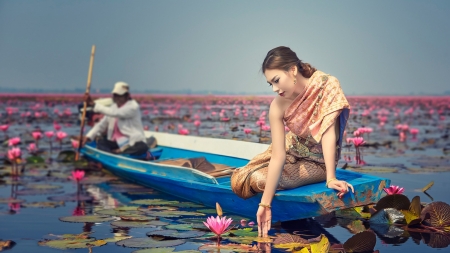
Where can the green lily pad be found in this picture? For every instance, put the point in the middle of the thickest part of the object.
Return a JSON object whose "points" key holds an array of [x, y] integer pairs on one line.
{"points": [[171, 214], [153, 208], [164, 250], [87, 218], [73, 244], [117, 238], [114, 212], [136, 218], [244, 232], [180, 227], [66, 156], [35, 160], [154, 202], [176, 234], [188, 204], [44, 204], [243, 239], [228, 247], [148, 243], [138, 224], [207, 211], [96, 180]]}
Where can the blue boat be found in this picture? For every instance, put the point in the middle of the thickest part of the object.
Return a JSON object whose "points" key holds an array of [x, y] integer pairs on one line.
{"points": [[169, 174]]}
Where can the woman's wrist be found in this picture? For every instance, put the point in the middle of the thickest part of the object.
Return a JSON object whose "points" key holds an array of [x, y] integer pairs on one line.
{"points": [[329, 181], [264, 205]]}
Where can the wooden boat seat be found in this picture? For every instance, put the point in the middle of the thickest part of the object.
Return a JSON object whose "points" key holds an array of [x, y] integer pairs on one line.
{"points": [[201, 164]]}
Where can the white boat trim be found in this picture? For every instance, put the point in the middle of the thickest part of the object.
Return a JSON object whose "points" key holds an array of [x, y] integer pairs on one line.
{"points": [[233, 148]]}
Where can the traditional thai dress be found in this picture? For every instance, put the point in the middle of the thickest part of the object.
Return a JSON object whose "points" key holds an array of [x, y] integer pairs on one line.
{"points": [[308, 117]]}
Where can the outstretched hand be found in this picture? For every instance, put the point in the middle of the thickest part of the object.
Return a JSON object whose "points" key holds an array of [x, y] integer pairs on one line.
{"points": [[341, 186], [88, 99], [264, 219]]}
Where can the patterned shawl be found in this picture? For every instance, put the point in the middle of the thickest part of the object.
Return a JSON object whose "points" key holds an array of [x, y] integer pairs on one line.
{"points": [[323, 93]]}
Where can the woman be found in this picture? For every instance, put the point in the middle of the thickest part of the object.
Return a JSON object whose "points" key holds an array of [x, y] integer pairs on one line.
{"points": [[309, 102]]}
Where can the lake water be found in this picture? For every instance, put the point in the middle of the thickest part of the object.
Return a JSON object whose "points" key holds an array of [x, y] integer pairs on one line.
{"points": [[411, 163]]}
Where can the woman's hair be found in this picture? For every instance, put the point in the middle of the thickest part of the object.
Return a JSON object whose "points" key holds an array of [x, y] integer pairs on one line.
{"points": [[284, 58]]}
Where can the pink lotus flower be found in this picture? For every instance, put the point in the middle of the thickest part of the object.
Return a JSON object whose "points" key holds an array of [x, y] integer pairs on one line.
{"points": [[61, 135], [13, 141], [197, 123], [265, 128], [218, 225], [49, 134], [247, 130], [393, 189], [75, 144], [4, 127], [14, 154], [357, 133], [251, 224], [56, 126], [260, 123], [36, 135], [358, 141], [32, 148], [77, 175], [183, 131]]}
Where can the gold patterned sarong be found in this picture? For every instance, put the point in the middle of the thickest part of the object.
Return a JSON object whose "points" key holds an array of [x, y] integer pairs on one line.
{"points": [[308, 117]]}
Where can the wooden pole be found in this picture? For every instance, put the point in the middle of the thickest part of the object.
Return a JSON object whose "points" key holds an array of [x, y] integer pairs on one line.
{"points": [[83, 117]]}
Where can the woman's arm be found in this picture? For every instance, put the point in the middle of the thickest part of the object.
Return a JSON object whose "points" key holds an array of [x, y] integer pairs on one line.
{"points": [[329, 155], [278, 157]]}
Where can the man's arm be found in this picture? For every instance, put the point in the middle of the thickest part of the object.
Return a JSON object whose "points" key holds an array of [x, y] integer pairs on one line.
{"points": [[101, 126], [126, 111]]}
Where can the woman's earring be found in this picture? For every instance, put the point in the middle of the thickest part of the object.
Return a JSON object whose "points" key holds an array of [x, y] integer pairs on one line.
{"points": [[295, 80]]}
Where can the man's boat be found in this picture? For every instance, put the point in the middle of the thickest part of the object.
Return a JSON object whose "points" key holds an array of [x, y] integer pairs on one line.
{"points": [[169, 174]]}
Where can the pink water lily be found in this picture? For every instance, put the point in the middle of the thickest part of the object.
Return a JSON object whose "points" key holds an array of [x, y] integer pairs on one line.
{"points": [[77, 175], [358, 141], [75, 144], [14, 154], [218, 225], [61, 135], [32, 148], [49, 134], [13, 141], [4, 127], [394, 189], [36, 135]]}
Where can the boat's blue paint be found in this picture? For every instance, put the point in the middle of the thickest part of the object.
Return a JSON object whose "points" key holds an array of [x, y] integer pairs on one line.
{"points": [[306, 201]]}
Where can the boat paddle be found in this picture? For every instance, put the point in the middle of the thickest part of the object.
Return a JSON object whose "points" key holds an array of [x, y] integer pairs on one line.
{"points": [[83, 116]]}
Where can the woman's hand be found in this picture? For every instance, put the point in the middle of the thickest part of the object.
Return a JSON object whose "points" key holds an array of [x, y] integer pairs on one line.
{"points": [[264, 219], [341, 186]]}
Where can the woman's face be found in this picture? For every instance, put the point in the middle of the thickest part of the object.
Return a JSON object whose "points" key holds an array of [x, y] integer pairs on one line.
{"points": [[282, 82]]}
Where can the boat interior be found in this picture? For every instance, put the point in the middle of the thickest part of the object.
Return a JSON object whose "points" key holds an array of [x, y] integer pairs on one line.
{"points": [[216, 170]]}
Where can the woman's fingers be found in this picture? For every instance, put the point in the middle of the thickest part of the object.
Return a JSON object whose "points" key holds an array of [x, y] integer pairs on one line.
{"points": [[351, 186], [258, 220]]}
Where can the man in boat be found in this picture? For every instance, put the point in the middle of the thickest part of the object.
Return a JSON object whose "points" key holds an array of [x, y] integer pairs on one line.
{"points": [[122, 123]]}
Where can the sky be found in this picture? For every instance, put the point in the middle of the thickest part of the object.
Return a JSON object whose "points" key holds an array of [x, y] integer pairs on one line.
{"points": [[373, 47]]}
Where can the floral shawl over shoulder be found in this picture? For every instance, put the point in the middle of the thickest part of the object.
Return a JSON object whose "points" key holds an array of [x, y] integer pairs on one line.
{"points": [[313, 112]]}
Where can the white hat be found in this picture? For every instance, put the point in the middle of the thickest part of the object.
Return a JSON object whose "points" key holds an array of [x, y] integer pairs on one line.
{"points": [[120, 88]]}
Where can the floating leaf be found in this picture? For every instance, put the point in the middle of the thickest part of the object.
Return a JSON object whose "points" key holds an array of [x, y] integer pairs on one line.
{"points": [[96, 179], [116, 238], [44, 204], [188, 204], [243, 239], [11, 200], [207, 211], [397, 201], [387, 216], [164, 250], [66, 156], [148, 243], [154, 202], [411, 218], [35, 159], [435, 240], [361, 242], [387, 231], [244, 232], [436, 214], [289, 242], [170, 214], [138, 224], [87, 218], [228, 247], [73, 243], [354, 226], [428, 186], [322, 246], [114, 212], [303, 250], [415, 207], [27, 191], [180, 227], [43, 186], [136, 218], [176, 234]]}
